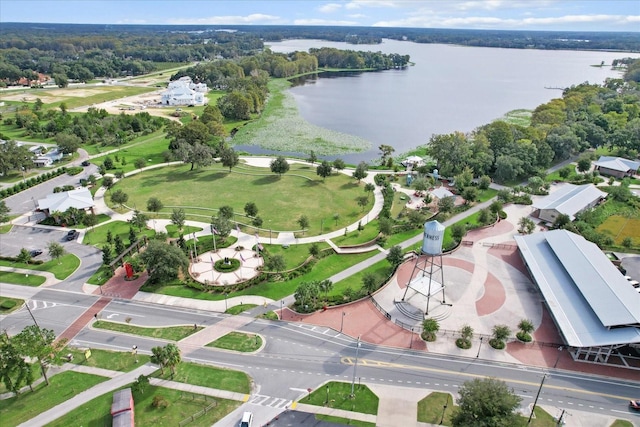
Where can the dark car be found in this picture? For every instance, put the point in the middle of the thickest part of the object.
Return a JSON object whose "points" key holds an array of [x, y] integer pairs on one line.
{"points": [[635, 405], [72, 234], [35, 252], [85, 163]]}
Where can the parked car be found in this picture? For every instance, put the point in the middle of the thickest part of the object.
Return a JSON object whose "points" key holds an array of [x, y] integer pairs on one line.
{"points": [[85, 163], [35, 252], [635, 405], [72, 234], [247, 419]]}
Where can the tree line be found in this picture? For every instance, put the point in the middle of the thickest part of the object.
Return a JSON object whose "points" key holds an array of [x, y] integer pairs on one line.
{"points": [[587, 116]]}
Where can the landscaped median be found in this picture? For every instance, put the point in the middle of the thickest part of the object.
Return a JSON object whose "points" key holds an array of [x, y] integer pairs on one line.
{"points": [[158, 406], [338, 395], [171, 333]]}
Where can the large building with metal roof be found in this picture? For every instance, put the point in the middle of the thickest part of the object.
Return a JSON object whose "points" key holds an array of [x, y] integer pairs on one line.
{"points": [[568, 200], [595, 308]]}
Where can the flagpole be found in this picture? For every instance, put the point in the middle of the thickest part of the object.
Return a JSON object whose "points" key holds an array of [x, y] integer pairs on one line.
{"points": [[195, 247]]}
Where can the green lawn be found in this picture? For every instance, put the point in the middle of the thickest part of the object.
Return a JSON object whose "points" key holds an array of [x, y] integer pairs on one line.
{"points": [[5, 228], [209, 376], [100, 217], [172, 230], [298, 192], [238, 341], [61, 268], [240, 308], [339, 397], [149, 147], [21, 279], [7, 305], [294, 255], [344, 421], [172, 333], [381, 269], [431, 408], [181, 405], [113, 360], [622, 423], [356, 237], [98, 237], [64, 386]]}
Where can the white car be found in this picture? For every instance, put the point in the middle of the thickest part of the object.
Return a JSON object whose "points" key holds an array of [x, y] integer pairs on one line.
{"points": [[247, 419]]}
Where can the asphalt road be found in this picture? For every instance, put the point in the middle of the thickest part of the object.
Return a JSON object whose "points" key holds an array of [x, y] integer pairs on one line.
{"points": [[297, 357]]}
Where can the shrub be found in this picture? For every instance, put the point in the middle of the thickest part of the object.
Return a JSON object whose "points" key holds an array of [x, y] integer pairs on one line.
{"points": [[8, 304], [159, 401], [463, 343]]}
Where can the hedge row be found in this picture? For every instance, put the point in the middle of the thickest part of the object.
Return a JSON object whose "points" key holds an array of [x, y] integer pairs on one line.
{"points": [[31, 182]]}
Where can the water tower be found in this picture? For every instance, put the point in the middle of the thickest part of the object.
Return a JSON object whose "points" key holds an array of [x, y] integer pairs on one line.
{"points": [[427, 277]]}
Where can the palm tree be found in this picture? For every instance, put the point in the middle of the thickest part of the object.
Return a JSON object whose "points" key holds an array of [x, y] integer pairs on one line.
{"points": [[326, 286], [429, 328], [173, 357], [500, 334], [159, 357], [526, 327], [466, 333]]}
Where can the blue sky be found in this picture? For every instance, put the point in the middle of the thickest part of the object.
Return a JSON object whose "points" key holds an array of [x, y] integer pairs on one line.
{"points": [[586, 15]]}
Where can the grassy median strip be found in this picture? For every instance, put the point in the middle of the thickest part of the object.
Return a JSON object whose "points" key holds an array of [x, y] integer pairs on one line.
{"points": [[21, 279], [238, 341], [63, 387], [208, 376], [338, 395], [105, 359], [180, 406], [172, 333], [60, 268]]}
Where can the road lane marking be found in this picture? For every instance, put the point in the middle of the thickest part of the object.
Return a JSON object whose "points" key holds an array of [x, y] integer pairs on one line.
{"points": [[374, 364]]}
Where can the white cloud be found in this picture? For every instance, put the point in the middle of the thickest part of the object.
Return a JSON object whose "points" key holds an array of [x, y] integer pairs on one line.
{"points": [[357, 16], [501, 4], [485, 22], [324, 22], [330, 7], [256, 18], [358, 4]]}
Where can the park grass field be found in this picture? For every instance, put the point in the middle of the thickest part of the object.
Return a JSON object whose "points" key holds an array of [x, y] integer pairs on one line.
{"points": [[620, 227], [181, 405], [280, 200]]}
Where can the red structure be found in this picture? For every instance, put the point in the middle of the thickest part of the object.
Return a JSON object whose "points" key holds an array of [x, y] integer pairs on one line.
{"points": [[122, 409], [129, 270]]}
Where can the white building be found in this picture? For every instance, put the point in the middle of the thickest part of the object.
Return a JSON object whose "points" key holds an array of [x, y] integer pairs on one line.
{"points": [[184, 92]]}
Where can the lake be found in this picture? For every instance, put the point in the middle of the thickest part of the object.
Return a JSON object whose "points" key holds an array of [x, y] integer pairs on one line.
{"points": [[450, 88]]}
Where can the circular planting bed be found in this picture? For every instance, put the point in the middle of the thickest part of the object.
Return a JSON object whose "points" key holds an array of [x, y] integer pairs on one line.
{"points": [[227, 265]]}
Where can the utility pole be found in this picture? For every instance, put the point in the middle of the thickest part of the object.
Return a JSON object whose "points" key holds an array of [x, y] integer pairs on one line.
{"points": [[544, 377], [355, 367], [31, 314], [559, 423]]}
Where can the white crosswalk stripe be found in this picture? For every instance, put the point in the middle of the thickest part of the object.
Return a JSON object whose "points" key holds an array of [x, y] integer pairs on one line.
{"points": [[272, 402]]}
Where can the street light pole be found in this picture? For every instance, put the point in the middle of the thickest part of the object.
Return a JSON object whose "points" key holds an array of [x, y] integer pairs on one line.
{"points": [[533, 408], [281, 309], [225, 300], [411, 339], [342, 321], [444, 409], [355, 367], [558, 358], [478, 355]]}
